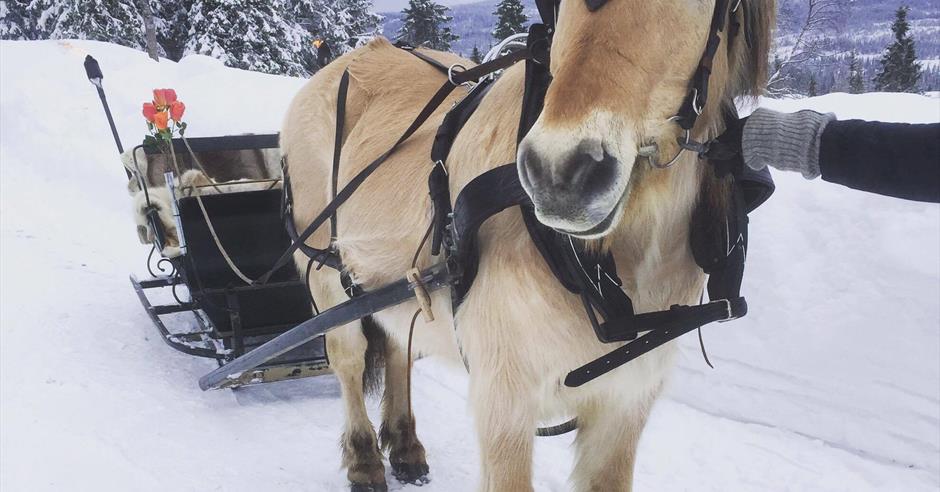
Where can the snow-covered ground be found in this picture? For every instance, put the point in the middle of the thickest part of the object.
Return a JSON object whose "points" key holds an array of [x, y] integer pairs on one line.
{"points": [[832, 382]]}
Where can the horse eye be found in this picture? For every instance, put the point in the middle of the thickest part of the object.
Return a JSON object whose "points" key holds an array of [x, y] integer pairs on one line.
{"points": [[593, 5]]}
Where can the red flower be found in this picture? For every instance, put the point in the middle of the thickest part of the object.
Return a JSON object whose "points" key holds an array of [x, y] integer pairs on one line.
{"points": [[149, 111], [160, 120], [176, 110], [163, 97]]}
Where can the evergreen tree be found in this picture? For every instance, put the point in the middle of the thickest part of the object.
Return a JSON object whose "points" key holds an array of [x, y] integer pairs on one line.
{"points": [[172, 23], [15, 21], [248, 34], [510, 19], [45, 14], [475, 55], [425, 23], [359, 23], [114, 21], [812, 86], [341, 24], [900, 71], [856, 82]]}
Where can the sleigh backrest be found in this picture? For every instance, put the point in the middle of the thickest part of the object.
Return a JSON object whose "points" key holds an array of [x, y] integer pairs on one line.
{"points": [[223, 159]]}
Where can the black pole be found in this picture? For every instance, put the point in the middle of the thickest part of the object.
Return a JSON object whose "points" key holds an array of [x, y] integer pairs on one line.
{"points": [[93, 71]]}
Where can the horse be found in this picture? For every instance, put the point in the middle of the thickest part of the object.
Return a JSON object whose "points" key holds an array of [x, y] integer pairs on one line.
{"points": [[619, 74]]}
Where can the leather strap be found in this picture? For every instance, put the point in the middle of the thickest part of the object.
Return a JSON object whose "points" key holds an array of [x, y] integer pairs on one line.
{"points": [[698, 90], [663, 327], [338, 143]]}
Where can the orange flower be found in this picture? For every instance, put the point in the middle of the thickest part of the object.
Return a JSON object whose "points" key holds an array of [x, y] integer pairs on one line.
{"points": [[176, 110], [163, 98], [149, 111], [160, 120]]}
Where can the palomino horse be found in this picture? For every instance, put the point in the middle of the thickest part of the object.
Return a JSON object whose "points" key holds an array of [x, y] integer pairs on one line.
{"points": [[619, 74]]}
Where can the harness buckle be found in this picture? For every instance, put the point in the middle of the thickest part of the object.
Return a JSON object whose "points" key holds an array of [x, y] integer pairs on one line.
{"points": [[730, 314]]}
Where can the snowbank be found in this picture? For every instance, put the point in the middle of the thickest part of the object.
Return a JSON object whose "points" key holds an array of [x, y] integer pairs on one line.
{"points": [[832, 382]]}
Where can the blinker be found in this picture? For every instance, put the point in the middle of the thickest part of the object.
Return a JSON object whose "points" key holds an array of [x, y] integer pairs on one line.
{"points": [[593, 5]]}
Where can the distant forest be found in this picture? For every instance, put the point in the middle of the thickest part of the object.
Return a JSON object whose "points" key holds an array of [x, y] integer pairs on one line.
{"points": [[860, 25]]}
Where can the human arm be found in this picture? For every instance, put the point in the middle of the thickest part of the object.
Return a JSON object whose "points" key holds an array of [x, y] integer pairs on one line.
{"points": [[894, 159]]}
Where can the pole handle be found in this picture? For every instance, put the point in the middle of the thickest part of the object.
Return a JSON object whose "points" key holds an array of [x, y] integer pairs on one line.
{"points": [[93, 70]]}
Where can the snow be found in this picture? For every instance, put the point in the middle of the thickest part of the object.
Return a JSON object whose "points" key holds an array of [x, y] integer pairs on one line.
{"points": [[831, 383]]}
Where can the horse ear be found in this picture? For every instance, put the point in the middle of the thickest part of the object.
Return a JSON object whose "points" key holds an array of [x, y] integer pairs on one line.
{"points": [[752, 49]]}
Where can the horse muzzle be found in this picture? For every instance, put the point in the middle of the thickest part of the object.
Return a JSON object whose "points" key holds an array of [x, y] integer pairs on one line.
{"points": [[580, 192]]}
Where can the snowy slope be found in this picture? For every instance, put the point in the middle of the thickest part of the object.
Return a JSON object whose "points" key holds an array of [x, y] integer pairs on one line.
{"points": [[832, 382]]}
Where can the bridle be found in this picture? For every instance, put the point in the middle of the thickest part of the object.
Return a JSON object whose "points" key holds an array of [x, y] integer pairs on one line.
{"points": [[697, 96]]}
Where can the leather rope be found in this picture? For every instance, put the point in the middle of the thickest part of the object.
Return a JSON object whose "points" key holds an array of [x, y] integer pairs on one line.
{"points": [[205, 214]]}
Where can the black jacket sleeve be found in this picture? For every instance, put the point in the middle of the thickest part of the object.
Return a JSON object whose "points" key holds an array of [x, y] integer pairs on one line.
{"points": [[894, 159]]}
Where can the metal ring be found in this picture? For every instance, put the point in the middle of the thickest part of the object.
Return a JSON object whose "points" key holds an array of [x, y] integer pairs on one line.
{"points": [[653, 155], [451, 72]]}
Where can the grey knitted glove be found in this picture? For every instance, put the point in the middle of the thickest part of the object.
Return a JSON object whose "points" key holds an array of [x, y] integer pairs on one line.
{"points": [[784, 141]]}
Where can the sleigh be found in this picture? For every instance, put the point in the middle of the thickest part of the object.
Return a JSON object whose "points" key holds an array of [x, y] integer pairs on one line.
{"points": [[199, 304]]}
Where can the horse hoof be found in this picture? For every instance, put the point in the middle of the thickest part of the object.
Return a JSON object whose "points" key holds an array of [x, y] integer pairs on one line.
{"points": [[368, 487], [412, 473]]}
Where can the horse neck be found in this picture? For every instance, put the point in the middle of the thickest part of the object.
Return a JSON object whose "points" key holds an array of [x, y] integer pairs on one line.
{"points": [[651, 243]]}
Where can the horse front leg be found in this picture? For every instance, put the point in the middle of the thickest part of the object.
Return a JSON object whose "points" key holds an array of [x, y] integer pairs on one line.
{"points": [[361, 457], [505, 415], [405, 452], [608, 436]]}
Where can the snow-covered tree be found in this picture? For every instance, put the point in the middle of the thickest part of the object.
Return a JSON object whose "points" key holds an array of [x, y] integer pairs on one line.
{"points": [[114, 21], [15, 21], [248, 34], [510, 19], [341, 24], [900, 71], [812, 91], [856, 80], [426, 23], [171, 20]]}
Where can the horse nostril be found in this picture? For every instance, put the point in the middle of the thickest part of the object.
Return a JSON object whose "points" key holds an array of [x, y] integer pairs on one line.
{"points": [[589, 171], [531, 168]]}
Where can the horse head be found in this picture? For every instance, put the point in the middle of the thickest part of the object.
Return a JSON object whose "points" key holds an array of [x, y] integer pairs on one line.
{"points": [[621, 69]]}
